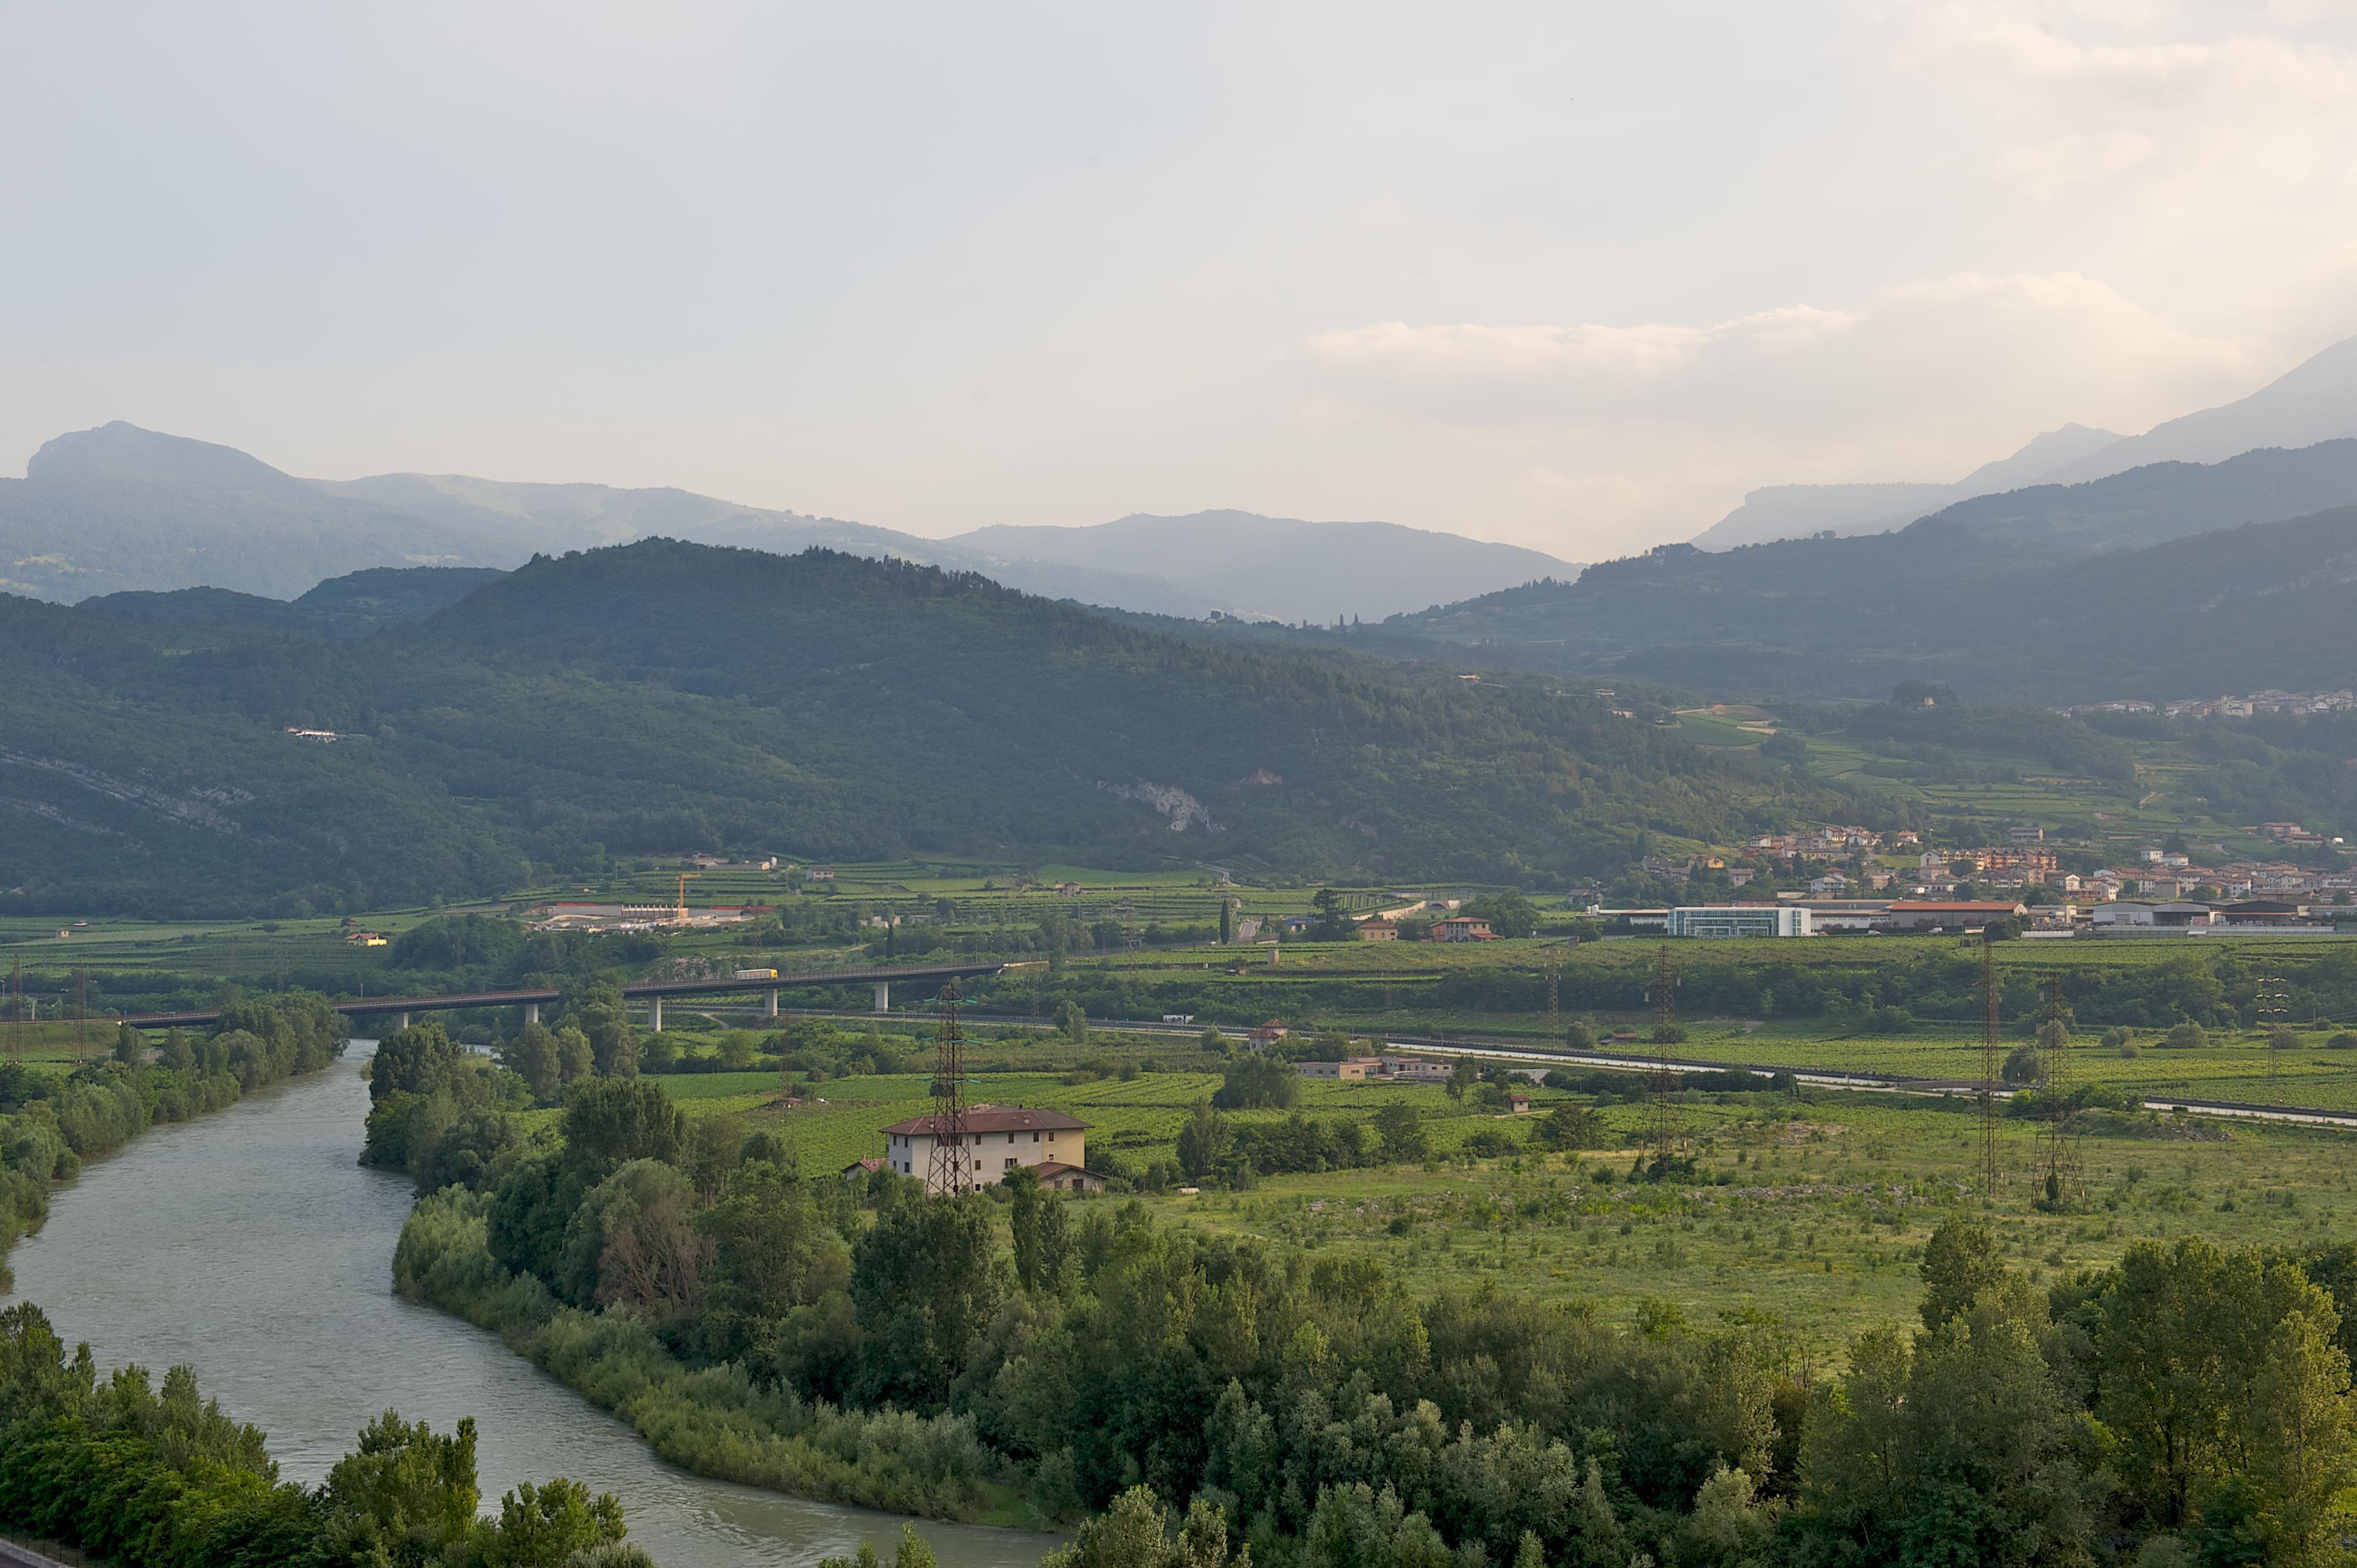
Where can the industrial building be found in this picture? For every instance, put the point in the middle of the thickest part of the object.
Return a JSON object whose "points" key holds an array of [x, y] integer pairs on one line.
{"points": [[1741, 920]]}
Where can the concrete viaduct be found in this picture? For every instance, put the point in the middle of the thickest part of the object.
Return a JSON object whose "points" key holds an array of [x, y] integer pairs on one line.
{"points": [[654, 990]]}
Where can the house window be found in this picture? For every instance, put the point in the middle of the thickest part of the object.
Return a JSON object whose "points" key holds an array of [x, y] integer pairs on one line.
{"points": [[1010, 1161]]}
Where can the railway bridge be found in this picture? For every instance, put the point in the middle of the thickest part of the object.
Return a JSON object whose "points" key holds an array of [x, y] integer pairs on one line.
{"points": [[763, 983]]}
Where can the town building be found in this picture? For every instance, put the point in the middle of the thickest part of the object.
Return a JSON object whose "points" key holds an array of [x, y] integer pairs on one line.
{"points": [[2124, 916], [1949, 914], [1357, 1069], [1827, 915], [2262, 912], [998, 1138], [1414, 1069], [1741, 920]]}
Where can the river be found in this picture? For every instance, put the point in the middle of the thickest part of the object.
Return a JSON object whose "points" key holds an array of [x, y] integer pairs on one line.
{"points": [[250, 1245]]}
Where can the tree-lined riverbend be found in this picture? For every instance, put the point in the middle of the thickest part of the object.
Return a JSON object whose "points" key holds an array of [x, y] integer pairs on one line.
{"points": [[250, 1245]]}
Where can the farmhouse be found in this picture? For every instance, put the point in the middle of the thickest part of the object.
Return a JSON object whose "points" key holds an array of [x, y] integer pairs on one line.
{"points": [[1462, 929], [1413, 1069], [1357, 1069], [998, 1138]]}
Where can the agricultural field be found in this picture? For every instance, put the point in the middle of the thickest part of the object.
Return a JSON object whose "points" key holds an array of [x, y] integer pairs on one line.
{"points": [[1802, 1215], [1136, 1117]]}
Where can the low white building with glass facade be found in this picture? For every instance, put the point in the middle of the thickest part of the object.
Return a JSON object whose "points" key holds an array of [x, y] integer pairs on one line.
{"points": [[1741, 920]]}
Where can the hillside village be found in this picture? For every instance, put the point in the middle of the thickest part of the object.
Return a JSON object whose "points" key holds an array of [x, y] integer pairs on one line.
{"points": [[1839, 878]]}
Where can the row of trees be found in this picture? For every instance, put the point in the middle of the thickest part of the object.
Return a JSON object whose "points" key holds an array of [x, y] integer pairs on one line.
{"points": [[50, 1123]]}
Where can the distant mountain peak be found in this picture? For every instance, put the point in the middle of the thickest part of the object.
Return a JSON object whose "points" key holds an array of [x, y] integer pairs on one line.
{"points": [[121, 450], [2315, 400], [1796, 512]]}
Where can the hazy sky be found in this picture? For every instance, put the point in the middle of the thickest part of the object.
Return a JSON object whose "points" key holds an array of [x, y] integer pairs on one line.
{"points": [[1574, 275]]}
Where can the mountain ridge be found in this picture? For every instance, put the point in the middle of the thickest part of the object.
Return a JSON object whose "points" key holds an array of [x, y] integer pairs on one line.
{"points": [[666, 695], [2314, 402], [120, 509], [2078, 593]]}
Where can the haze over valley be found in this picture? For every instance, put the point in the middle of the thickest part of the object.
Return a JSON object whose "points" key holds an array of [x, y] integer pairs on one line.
{"points": [[1175, 786]]}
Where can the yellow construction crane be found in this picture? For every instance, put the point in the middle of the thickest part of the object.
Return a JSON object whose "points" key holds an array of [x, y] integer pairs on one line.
{"points": [[684, 878]]}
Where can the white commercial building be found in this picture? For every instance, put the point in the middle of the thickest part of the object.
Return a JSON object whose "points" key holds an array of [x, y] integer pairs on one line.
{"points": [[1741, 920]]}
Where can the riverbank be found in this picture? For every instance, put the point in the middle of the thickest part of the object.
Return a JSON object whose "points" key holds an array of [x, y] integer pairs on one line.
{"points": [[253, 1246], [50, 1123], [714, 1421]]}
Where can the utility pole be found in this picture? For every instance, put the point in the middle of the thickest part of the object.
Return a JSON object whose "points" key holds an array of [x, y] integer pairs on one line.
{"points": [[1665, 1027], [2059, 1138], [1992, 996], [81, 1007], [2274, 1007], [952, 1170]]}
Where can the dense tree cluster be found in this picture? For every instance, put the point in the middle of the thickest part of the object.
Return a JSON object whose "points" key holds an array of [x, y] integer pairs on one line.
{"points": [[1307, 1409], [627, 701], [161, 1477]]}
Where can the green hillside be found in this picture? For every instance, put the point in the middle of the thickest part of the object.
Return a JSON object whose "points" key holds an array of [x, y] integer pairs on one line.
{"points": [[2008, 608], [665, 696]]}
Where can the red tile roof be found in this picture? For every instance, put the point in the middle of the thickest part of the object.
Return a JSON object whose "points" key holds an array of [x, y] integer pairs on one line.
{"points": [[992, 1119]]}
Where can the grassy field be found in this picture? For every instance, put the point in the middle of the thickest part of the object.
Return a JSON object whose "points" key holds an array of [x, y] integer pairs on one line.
{"points": [[1805, 1209], [1137, 1118]]}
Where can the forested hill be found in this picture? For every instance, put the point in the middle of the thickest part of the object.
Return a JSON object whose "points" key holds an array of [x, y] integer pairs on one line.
{"points": [[663, 696], [2012, 598]]}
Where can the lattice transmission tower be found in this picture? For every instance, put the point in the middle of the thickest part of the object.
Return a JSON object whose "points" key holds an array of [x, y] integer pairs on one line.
{"points": [[2058, 1137], [952, 1170], [2274, 1008], [1992, 999], [1664, 997]]}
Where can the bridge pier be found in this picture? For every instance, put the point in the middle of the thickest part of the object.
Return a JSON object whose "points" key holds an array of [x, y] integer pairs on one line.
{"points": [[405, 1020], [654, 1013], [770, 1010], [883, 996], [532, 1012]]}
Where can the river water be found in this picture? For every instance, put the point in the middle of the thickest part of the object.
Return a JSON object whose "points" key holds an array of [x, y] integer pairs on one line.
{"points": [[250, 1245]]}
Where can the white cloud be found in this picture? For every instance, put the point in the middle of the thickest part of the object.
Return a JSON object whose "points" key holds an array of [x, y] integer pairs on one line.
{"points": [[2057, 345], [2044, 170]]}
